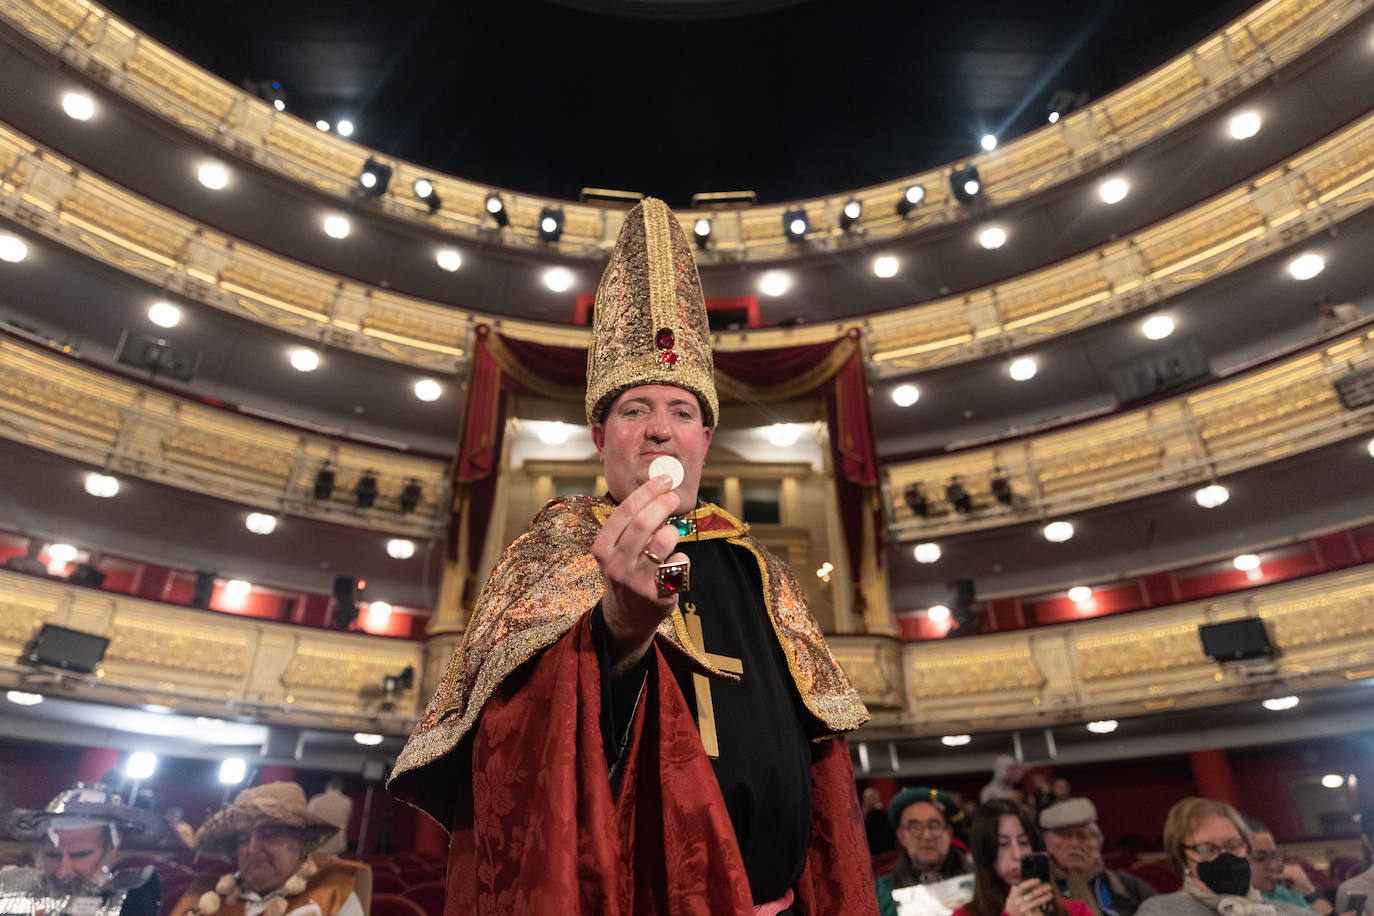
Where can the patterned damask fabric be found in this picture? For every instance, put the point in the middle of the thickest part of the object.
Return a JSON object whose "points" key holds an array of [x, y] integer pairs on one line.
{"points": [[543, 833]]}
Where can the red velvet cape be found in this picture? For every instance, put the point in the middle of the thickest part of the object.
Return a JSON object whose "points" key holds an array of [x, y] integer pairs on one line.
{"points": [[541, 832]]}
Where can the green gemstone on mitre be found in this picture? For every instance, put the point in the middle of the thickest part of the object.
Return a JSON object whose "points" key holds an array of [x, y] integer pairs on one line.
{"points": [[684, 526]]}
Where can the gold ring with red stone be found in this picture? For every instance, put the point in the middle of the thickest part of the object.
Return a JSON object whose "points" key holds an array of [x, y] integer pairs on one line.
{"points": [[673, 578]]}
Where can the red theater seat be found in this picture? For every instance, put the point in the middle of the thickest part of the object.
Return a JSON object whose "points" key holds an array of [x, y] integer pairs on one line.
{"points": [[429, 896], [395, 905], [386, 882]]}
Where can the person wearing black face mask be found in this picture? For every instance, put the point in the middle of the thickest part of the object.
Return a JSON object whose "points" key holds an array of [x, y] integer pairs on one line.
{"points": [[1208, 845]]}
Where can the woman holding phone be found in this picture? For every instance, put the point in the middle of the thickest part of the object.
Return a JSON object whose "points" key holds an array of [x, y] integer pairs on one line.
{"points": [[1002, 836]]}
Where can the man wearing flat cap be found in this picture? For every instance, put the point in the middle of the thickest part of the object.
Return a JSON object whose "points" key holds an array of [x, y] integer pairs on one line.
{"points": [[269, 833], [643, 716], [1074, 843], [926, 821], [78, 837]]}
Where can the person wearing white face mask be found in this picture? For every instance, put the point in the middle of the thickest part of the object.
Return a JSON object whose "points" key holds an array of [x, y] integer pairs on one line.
{"points": [[1209, 845]]}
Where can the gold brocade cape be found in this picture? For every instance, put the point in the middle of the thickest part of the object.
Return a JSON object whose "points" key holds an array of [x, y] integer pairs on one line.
{"points": [[544, 582], [328, 888]]}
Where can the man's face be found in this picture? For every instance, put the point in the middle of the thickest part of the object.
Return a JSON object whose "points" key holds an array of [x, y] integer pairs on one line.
{"points": [[1266, 865], [1074, 848], [78, 859], [644, 423], [268, 855], [924, 834], [1061, 788]]}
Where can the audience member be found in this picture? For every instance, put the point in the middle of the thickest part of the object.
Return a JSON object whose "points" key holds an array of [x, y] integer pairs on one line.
{"points": [[270, 833], [78, 837], [1001, 488], [29, 562], [337, 808], [1332, 318], [916, 500], [1006, 779], [1362, 885], [1276, 880], [1002, 836], [881, 836], [175, 820], [1074, 843], [925, 820], [1048, 793], [1208, 845], [958, 497]]}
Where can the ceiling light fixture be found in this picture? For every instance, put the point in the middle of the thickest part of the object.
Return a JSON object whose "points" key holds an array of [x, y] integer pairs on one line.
{"points": [[238, 588], [1212, 495], [988, 143], [551, 223], [367, 738], [322, 125], [1307, 266], [558, 279], [992, 237], [1245, 125], [427, 389], [885, 267], [232, 770], [22, 698], [78, 105], [795, 224], [141, 765], [1113, 190], [1369, 447], [1023, 369], [966, 184], [1246, 562], [336, 227], [496, 209], [1333, 781], [955, 740], [1103, 726], [905, 395], [1157, 327], [374, 178], [853, 209], [553, 432], [774, 283], [260, 523], [345, 128], [12, 250], [782, 435], [164, 314], [213, 176], [101, 485], [425, 193], [303, 359], [400, 548], [379, 609], [449, 259], [702, 230], [61, 554], [1058, 532], [1080, 593], [910, 200], [1279, 704], [939, 613], [927, 553]]}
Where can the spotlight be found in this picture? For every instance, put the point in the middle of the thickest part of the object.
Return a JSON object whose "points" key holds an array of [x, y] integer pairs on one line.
{"points": [[238, 589], [424, 190], [702, 230], [1157, 327], [1211, 496], [273, 92], [1307, 266], [966, 184], [782, 435], [379, 609], [1113, 190], [260, 523], [553, 432], [449, 259], [1023, 369], [910, 200], [336, 227], [374, 178], [905, 395], [1064, 101], [141, 765], [304, 359], [427, 389], [410, 496], [101, 485], [1245, 125], [795, 225], [366, 491], [496, 209], [322, 125], [400, 548], [345, 128], [938, 613], [213, 175], [551, 223], [885, 267], [1054, 117], [989, 143], [1333, 781], [1058, 532], [164, 314], [78, 106], [992, 237], [232, 771], [558, 279], [774, 283], [853, 209], [927, 553], [12, 250]]}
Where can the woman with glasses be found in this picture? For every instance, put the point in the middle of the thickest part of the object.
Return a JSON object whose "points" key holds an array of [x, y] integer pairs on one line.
{"points": [[1209, 846], [1002, 835]]}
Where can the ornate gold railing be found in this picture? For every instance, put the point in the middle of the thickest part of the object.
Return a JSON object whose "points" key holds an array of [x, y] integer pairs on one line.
{"points": [[207, 662], [1319, 188], [1322, 629], [55, 404], [1202, 78], [1255, 419]]}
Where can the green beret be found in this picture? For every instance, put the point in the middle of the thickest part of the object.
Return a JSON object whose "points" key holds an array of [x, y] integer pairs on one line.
{"points": [[941, 799]]}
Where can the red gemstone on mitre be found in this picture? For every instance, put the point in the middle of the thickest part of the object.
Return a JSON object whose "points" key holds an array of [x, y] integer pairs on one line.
{"points": [[665, 338], [668, 357], [675, 579]]}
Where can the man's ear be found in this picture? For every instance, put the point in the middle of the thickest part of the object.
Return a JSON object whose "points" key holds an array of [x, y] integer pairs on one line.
{"points": [[708, 439], [599, 439]]}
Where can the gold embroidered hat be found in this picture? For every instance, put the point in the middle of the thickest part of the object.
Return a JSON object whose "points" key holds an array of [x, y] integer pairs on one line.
{"points": [[649, 324]]}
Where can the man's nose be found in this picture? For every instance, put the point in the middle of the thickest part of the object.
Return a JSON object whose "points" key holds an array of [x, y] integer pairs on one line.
{"points": [[658, 427], [65, 869]]}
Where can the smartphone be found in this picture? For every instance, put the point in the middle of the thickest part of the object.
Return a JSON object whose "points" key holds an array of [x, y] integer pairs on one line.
{"points": [[1036, 865], [1354, 902]]}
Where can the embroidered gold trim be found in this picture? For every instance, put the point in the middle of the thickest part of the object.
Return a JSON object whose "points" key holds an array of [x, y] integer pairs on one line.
{"points": [[658, 243]]}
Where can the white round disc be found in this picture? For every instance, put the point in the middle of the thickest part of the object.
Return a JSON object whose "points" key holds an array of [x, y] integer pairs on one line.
{"points": [[667, 464]]}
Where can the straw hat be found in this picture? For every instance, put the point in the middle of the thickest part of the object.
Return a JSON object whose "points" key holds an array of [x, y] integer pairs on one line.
{"points": [[273, 803]]}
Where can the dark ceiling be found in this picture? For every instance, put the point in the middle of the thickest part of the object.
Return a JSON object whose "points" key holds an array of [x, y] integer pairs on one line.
{"points": [[800, 100]]}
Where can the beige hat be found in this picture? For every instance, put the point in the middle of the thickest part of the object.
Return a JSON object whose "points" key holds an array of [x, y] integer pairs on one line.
{"points": [[1071, 812], [273, 803]]}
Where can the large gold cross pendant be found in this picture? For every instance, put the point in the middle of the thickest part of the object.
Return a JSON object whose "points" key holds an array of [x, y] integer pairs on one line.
{"points": [[706, 717]]}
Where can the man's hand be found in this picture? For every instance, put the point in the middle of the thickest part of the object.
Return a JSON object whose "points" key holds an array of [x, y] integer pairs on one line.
{"points": [[631, 606], [1296, 878]]}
